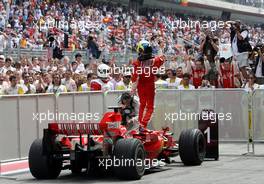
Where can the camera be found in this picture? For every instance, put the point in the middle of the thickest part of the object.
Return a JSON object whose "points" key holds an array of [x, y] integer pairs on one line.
{"points": [[258, 48]]}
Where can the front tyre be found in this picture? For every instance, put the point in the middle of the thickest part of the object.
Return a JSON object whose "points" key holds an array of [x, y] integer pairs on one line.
{"points": [[192, 147]]}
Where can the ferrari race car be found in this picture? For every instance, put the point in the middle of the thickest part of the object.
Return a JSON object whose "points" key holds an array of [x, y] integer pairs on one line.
{"points": [[90, 146]]}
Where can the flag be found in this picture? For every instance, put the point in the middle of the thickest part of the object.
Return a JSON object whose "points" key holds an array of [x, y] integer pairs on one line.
{"points": [[181, 2], [184, 2]]}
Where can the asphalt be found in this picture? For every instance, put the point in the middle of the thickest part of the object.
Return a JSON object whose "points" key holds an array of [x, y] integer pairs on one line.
{"points": [[234, 166]]}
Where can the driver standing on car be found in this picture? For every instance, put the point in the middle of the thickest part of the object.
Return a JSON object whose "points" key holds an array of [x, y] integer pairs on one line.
{"points": [[143, 79], [129, 110]]}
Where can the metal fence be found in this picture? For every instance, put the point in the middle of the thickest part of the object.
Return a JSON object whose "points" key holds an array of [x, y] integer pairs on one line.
{"points": [[258, 120], [120, 57], [17, 53], [19, 125]]}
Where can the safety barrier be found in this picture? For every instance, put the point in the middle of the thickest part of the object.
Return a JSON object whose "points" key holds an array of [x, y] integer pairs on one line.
{"points": [[185, 105], [19, 125], [258, 120]]}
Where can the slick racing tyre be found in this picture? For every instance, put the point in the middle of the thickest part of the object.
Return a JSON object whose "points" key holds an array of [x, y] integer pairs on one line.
{"points": [[130, 154], [192, 147], [41, 166]]}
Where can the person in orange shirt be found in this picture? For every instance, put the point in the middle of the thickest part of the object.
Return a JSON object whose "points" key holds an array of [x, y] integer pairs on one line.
{"points": [[23, 42]]}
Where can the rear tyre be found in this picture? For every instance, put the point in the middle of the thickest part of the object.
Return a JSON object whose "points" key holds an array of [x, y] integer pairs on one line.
{"points": [[42, 166], [192, 147], [130, 154]]}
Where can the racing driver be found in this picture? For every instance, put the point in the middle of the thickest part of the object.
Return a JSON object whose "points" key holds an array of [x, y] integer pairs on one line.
{"points": [[144, 69]]}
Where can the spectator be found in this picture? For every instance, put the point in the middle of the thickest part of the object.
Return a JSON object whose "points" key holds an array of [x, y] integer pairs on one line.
{"points": [[172, 81], [3, 38], [14, 88], [66, 63], [2, 63], [197, 69], [78, 80], [74, 66], [159, 83], [259, 64], [87, 86], [93, 47], [8, 66], [46, 82], [56, 86], [206, 83], [186, 82], [251, 83], [116, 81], [209, 47], [3, 84], [127, 79], [18, 68], [80, 66], [35, 64], [240, 46], [179, 72], [27, 86], [228, 73], [69, 82]]}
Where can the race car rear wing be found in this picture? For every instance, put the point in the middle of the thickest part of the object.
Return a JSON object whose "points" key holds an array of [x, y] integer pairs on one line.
{"points": [[75, 128]]}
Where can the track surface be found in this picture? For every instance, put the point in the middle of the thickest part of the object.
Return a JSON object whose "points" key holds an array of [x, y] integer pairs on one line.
{"points": [[233, 167]]}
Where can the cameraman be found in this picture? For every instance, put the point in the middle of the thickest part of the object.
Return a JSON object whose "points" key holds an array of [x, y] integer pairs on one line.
{"points": [[131, 102], [258, 68], [240, 46], [209, 47]]}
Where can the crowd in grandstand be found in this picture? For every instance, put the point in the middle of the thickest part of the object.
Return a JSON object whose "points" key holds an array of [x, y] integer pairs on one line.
{"points": [[254, 3], [192, 52]]}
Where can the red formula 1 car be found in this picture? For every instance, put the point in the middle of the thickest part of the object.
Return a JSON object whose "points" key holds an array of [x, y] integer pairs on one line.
{"points": [[93, 146]]}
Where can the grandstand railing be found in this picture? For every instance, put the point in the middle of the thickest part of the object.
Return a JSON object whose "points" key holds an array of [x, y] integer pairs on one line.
{"points": [[19, 126], [18, 53], [255, 3]]}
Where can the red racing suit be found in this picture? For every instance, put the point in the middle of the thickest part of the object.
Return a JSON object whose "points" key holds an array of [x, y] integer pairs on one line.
{"points": [[143, 79]]}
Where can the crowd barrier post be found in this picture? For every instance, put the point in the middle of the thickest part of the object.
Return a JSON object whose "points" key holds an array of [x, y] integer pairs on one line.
{"points": [[250, 125]]}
